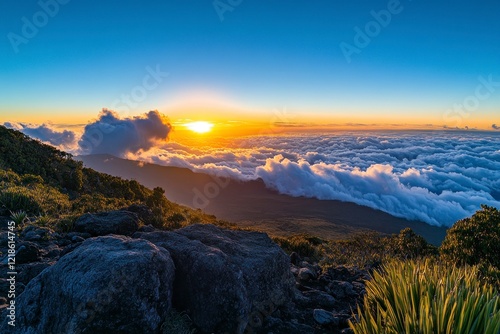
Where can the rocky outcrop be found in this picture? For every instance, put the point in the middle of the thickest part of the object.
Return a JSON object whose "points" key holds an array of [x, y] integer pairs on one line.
{"points": [[227, 281], [110, 284], [323, 302], [104, 223]]}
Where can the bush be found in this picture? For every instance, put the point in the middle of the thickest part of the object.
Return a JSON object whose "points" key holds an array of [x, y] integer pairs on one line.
{"points": [[19, 199], [427, 297], [474, 240], [96, 203], [363, 249], [302, 244], [409, 245], [175, 221]]}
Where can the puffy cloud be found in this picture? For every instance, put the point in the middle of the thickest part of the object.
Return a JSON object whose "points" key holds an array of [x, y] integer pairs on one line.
{"points": [[495, 127], [119, 136], [435, 177], [65, 139]]}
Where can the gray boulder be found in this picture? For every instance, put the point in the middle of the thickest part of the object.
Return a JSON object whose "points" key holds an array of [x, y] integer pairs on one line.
{"points": [[225, 279], [323, 317], [110, 284], [110, 222]]}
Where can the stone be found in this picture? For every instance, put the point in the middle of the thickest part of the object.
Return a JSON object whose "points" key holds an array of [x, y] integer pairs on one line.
{"points": [[324, 317], [71, 235], [110, 284], [306, 274], [77, 238], [37, 233], [341, 289], [224, 276], [316, 298], [142, 211], [110, 222], [26, 272]]}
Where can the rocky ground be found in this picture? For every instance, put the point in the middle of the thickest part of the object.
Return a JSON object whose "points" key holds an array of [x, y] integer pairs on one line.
{"points": [[111, 276]]}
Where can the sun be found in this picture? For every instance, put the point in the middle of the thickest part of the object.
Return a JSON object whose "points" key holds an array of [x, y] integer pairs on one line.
{"points": [[199, 127]]}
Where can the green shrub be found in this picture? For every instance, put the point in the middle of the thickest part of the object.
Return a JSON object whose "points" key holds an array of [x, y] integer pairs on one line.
{"points": [[302, 244], [409, 245], [97, 202], [34, 199], [19, 217], [474, 240], [31, 179], [175, 221], [19, 199], [66, 223], [428, 297], [363, 249]]}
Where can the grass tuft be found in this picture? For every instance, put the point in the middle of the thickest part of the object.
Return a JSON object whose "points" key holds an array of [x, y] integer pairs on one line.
{"points": [[425, 296]]}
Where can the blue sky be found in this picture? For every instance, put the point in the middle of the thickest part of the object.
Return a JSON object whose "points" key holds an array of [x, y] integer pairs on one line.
{"points": [[263, 55]]}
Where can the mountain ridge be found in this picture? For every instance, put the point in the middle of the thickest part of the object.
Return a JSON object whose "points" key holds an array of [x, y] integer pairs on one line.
{"points": [[252, 204]]}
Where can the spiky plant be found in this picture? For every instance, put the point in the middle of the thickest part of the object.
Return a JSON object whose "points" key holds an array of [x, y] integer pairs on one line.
{"points": [[428, 297]]}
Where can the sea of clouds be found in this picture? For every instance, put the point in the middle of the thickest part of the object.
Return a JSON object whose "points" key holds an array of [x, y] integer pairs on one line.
{"points": [[437, 177]]}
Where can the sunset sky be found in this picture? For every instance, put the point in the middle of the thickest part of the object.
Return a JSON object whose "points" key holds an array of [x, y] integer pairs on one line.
{"points": [[253, 61]]}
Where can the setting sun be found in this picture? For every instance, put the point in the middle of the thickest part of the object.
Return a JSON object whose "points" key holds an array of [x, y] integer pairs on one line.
{"points": [[199, 127]]}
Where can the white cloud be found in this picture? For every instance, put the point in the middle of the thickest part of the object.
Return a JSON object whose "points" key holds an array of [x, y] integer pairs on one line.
{"points": [[435, 177], [65, 139]]}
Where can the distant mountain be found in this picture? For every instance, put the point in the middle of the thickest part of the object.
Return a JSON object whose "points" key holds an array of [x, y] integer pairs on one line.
{"points": [[251, 204]]}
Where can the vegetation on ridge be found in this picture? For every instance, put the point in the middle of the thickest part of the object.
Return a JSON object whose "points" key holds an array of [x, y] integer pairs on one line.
{"points": [[54, 189]]}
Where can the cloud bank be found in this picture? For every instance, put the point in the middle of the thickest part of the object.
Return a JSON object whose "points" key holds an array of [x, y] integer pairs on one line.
{"points": [[119, 136], [435, 177], [64, 139]]}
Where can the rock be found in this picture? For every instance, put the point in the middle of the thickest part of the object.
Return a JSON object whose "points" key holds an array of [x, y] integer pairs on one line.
{"points": [[27, 252], [71, 235], [323, 317], [30, 270], [50, 251], [146, 228], [63, 242], [316, 298], [306, 274], [110, 284], [37, 233], [277, 325], [341, 289], [347, 331], [143, 212], [359, 287], [77, 238], [110, 222], [224, 276]]}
